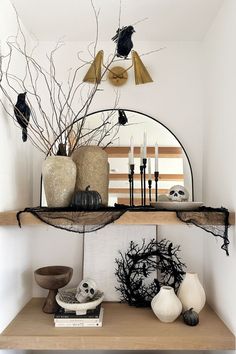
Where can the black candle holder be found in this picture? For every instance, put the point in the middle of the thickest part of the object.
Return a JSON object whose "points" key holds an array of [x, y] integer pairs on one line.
{"points": [[144, 180], [132, 183], [156, 175], [130, 189], [150, 190], [141, 179]]}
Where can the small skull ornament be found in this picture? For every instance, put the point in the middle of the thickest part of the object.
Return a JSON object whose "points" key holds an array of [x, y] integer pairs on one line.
{"points": [[86, 290], [178, 194]]}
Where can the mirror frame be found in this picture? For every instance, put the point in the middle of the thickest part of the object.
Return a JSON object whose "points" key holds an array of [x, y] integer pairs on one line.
{"points": [[148, 116]]}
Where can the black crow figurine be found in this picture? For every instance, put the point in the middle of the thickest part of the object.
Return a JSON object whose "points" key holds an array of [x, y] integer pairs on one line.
{"points": [[61, 150], [123, 40], [22, 114], [122, 118]]}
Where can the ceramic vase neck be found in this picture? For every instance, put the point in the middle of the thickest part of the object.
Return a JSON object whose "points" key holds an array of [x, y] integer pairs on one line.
{"points": [[191, 275], [167, 289]]}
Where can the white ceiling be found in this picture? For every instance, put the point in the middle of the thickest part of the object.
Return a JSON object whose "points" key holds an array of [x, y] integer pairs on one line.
{"points": [[168, 20]]}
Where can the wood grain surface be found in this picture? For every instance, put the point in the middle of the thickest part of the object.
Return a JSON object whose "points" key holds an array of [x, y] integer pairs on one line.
{"points": [[8, 218], [124, 327]]}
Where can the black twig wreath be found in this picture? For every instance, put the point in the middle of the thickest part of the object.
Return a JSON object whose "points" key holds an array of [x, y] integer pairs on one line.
{"points": [[136, 265]]}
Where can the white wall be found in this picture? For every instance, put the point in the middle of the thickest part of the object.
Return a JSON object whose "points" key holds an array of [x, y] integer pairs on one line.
{"points": [[15, 192], [219, 170]]}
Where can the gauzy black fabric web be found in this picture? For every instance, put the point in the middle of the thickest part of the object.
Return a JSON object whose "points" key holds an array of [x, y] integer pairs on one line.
{"points": [[73, 220], [204, 217], [212, 220]]}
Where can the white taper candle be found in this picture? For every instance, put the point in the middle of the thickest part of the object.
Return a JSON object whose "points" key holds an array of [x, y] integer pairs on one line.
{"points": [[141, 155], [156, 157], [132, 146], [149, 169], [131, 158], [145, 145]]}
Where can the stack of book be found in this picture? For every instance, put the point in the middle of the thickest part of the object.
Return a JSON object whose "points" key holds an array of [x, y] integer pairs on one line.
{"points": [[92, 318]]}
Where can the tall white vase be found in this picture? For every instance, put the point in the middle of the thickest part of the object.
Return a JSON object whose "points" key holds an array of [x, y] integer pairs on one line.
{"points": [[59, 176], [191, 293], [166, 305]]}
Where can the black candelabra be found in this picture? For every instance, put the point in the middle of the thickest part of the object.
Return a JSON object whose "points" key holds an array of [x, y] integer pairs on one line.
{"points": [[131, 185], [156, 175], [150, 190], [143, 184], [130, 190], [144, 180], [141, 179]]}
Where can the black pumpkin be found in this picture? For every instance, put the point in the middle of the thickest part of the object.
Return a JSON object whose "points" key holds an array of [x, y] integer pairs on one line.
{"points": [[86, 199], [191, 317]]}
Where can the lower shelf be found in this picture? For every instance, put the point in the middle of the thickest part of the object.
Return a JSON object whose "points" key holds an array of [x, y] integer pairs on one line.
{"points": [[124, 327]]}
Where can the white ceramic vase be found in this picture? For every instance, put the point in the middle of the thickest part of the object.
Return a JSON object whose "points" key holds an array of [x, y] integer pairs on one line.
{"points": [[59, 176], [191, 293], [166, 305]]}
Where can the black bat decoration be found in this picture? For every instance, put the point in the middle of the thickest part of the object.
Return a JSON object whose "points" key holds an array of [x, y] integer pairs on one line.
{"points": [[123, 39], [22, 114]]}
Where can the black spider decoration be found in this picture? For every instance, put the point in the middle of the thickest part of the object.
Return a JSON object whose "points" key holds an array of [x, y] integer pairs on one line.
{"points": [[139, 262]]}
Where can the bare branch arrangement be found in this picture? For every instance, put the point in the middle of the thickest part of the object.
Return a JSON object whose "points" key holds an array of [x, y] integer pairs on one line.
{"points": [[56, 123]]}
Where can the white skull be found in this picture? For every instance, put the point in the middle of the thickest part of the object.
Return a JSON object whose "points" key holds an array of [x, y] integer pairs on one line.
{"points": [[86, 290], [178, 194]]}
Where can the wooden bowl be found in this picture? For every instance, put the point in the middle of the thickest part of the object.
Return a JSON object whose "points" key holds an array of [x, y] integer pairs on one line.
{"points": [[52, 278]]}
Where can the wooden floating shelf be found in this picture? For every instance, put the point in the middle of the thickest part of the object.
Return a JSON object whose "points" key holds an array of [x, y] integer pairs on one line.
{"points": [[8, 218], [162, 218], [136, 191], [126, 200], [124, 328], [162, 177], [163, 151]]}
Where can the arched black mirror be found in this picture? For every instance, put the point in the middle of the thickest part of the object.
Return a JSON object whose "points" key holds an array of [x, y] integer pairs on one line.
{"points": [[173, 162]]}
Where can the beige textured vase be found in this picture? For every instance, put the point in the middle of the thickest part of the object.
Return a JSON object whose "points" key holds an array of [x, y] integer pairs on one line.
{"points": [[191, 293], [59, 176], [166, 305], [92, 170]]}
